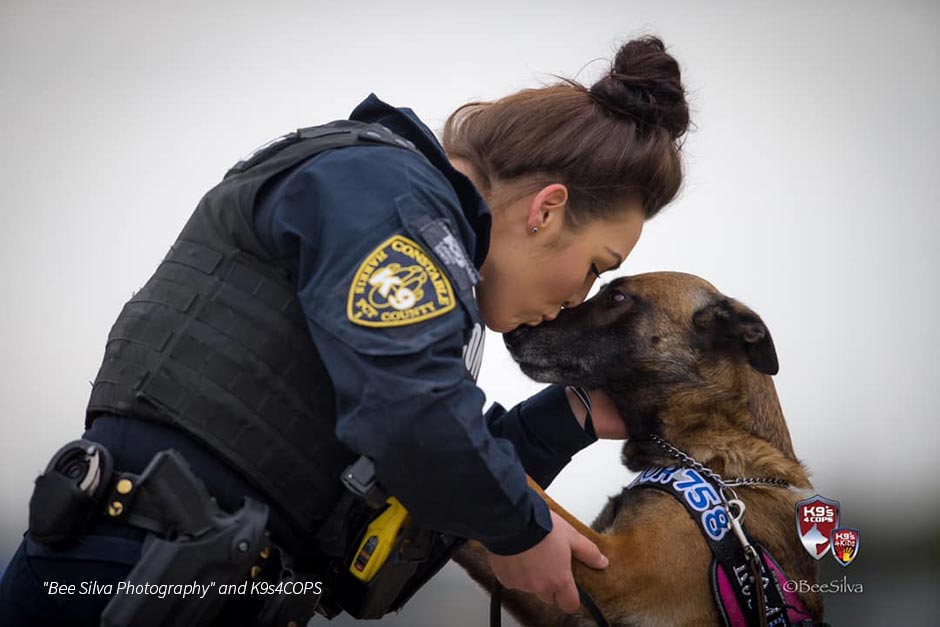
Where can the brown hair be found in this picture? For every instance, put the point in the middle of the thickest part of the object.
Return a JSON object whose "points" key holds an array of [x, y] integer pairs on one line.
{"points": [[618, 138]]}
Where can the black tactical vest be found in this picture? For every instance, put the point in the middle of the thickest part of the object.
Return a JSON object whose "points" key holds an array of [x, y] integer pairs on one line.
{"points": [[216, 342]]}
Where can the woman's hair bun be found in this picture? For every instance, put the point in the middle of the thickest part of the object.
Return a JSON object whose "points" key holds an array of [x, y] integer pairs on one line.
{"points": [[645, 85]]}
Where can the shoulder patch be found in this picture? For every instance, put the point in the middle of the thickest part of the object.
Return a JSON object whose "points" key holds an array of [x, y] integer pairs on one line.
{"points": [[398, 284]]}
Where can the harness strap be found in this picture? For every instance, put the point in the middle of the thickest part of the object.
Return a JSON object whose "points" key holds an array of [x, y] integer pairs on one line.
{"points": [[733, 575], [496, 619]]}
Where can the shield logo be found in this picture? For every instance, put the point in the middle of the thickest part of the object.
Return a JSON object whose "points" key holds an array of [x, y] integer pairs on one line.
{"points": [[816, 518], [845, 543]]}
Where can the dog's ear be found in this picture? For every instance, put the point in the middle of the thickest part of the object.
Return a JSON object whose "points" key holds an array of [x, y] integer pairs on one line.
{"points": [[727, 323]]}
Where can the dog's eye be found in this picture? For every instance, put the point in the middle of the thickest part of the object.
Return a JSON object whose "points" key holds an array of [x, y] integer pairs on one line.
{"points": [[616, 297]]}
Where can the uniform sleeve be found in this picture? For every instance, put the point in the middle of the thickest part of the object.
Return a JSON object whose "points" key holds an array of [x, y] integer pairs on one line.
{"points": [[544, 431], [403, 395]]}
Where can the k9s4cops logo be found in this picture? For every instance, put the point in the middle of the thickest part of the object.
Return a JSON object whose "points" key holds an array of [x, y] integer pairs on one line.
{"points": [[816, 518], [817, 524]]}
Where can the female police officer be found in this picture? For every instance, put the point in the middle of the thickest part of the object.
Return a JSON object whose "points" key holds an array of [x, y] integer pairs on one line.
{"points": [[327, 300]]}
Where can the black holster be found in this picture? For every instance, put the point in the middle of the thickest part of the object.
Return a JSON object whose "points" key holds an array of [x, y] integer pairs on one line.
{"points": [[198, 543], [191, 540]]}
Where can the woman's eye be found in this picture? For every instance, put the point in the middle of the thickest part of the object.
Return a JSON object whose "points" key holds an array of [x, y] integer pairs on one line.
{"points": [[616, 297]]}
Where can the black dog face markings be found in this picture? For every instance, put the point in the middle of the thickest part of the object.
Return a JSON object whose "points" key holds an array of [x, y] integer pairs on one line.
{"points": [[624, 336], [584, 345]]}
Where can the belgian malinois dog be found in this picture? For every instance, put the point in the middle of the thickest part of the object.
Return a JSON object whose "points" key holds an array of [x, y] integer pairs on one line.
{"points": [[692, 366]]}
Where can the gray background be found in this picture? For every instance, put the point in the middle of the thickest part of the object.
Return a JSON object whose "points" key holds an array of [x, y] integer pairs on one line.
{"points": [[811, 196]]}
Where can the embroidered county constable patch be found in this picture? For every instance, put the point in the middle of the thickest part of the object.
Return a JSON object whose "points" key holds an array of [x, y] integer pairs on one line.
{"points": [[398, 284]]}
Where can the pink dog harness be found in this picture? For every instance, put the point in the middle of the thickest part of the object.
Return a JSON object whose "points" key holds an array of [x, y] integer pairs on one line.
{"points": [[729, 608], [737, 601]]}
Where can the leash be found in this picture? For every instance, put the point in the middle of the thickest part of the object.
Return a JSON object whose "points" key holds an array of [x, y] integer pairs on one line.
{"points": [[586, 600], [496, 619]]}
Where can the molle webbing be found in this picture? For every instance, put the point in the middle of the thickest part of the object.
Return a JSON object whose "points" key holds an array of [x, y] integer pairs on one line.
{"points": [[216, 342]]}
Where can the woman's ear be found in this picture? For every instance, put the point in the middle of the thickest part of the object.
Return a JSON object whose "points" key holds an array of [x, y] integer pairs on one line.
{"points": [[547, 210]]}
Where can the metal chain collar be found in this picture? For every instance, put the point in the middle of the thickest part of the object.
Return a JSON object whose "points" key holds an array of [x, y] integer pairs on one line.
{"points": [[726, 487]]}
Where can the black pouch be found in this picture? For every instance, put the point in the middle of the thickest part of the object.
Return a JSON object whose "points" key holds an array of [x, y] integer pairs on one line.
{"points": [[69, 492], [417, 555]]}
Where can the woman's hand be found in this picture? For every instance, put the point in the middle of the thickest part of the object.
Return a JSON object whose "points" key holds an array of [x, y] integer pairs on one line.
{"points": [[545, 569], [608, 425]]}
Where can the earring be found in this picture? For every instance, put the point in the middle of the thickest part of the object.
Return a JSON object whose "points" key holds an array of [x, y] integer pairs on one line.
{"points": [[535, 229]]}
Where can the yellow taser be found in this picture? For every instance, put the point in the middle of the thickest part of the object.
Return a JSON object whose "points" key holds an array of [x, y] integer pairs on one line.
{"points": [[378, 540]]}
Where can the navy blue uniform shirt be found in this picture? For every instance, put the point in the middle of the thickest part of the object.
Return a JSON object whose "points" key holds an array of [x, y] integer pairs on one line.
{"points": [[403, 393]]}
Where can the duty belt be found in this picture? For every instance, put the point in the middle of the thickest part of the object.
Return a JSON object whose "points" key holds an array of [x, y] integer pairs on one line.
{"points": [[190, 537]]}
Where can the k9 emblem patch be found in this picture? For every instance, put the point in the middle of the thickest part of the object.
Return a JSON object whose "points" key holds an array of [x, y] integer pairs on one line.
{"points": [[398, 284], [816, 518]]}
